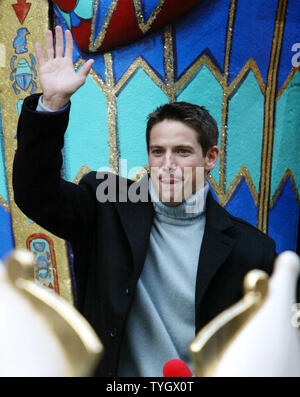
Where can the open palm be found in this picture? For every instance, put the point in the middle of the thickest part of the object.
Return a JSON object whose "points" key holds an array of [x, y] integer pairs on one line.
{"points": [[58, 78]]}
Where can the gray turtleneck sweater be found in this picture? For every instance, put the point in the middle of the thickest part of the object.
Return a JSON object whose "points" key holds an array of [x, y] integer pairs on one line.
{"points": [[161, 322]]}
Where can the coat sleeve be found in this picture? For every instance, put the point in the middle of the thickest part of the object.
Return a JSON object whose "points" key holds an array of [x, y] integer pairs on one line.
{"points": [[63, 208]]}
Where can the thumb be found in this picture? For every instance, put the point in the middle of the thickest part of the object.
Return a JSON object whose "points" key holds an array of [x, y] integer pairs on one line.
{"points": [[85, 69]]}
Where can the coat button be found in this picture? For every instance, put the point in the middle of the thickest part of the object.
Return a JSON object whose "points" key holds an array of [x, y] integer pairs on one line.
{"points": [[128, 291], [113, 333]]}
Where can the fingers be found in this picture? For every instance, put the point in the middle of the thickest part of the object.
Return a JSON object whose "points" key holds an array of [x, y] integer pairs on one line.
{"points": [[84, 71], [39, 54], [49, 45], [59, 42], [69, 44]]}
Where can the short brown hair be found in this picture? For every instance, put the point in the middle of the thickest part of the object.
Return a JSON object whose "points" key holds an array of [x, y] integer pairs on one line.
{"points": [[196, 117]]}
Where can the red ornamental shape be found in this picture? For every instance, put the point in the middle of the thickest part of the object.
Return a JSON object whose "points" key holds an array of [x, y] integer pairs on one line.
{"points": [[123, 28], [21, 9], [66, 5]]}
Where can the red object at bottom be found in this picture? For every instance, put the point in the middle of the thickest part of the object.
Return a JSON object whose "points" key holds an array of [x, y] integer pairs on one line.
{"points": [[176, 368]]}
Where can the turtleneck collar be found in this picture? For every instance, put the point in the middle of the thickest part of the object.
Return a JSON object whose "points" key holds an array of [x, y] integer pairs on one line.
{"points": [[192, 208]]}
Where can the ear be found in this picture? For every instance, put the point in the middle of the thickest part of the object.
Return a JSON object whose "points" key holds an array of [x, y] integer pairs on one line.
{"points": [[211, 158]]}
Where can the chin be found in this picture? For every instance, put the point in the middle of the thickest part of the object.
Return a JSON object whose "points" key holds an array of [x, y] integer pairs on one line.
{"points": [[171, 198]]}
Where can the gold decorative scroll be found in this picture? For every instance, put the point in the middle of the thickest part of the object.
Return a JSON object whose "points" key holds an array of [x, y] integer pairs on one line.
{"points": [[36, 22], [82, 349], [211, 342]]}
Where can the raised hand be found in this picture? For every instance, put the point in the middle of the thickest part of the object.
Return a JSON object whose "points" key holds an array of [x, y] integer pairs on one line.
{"points": [[58, 78]]}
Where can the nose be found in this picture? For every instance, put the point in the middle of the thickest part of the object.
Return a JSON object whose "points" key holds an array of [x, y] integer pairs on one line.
{"points": [[169, 161]]}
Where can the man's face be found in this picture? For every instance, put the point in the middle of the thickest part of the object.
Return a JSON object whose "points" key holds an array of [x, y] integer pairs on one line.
{"points": [[177, 165]]}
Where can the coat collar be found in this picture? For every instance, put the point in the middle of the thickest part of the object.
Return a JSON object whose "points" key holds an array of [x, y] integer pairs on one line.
{"points": [[137, 219]]}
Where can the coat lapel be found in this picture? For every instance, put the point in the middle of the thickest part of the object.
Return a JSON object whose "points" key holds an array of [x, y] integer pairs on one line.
{"points": [[216, 246], [137, 218]]}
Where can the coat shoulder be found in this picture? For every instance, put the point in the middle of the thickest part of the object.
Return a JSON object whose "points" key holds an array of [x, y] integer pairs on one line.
{"points": [[243, 227], [248, 226]]}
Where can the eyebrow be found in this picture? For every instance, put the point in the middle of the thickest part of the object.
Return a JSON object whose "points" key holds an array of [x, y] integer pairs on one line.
{"points": [[176, 147]]}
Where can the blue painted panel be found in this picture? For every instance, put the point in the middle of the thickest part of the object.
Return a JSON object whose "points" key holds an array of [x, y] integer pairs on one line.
{"points": [[62, 22], [241, 203], [86, 139], [133, 109], [291, 36], [286, 147], [75, 20], [284, 218], [205, 90], [204, 27], [253, 35], [98, 65], [151, 48], [65, 15], [245, 130], [6, 235], [148, 6]]}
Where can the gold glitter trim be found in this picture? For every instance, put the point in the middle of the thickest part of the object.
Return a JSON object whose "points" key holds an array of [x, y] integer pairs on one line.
{"points": [[111, 115], [287, 82], [98, 80], [140, 17], [194, 69], [169, 62], [83, 170], [94, 46], [139, 63], [215, 187], [270, 101], [287, 173], [225, 100], [143, 171], [243, 172], [252, 65], [109, 90], [4, 204], [224, 198]]}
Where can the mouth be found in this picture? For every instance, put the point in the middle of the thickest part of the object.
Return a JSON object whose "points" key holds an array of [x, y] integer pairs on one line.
{"points": [[168, 180]]}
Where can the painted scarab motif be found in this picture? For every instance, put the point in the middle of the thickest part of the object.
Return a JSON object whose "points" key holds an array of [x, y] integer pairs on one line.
{"points": [[23, 74]]}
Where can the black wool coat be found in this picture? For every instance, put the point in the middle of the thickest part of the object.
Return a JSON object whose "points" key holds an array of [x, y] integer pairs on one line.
{"points": [[109, 240]]}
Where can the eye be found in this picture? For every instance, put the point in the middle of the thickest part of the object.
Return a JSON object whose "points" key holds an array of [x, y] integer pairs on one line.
{"points": [[183, 151], [156, 151]]}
